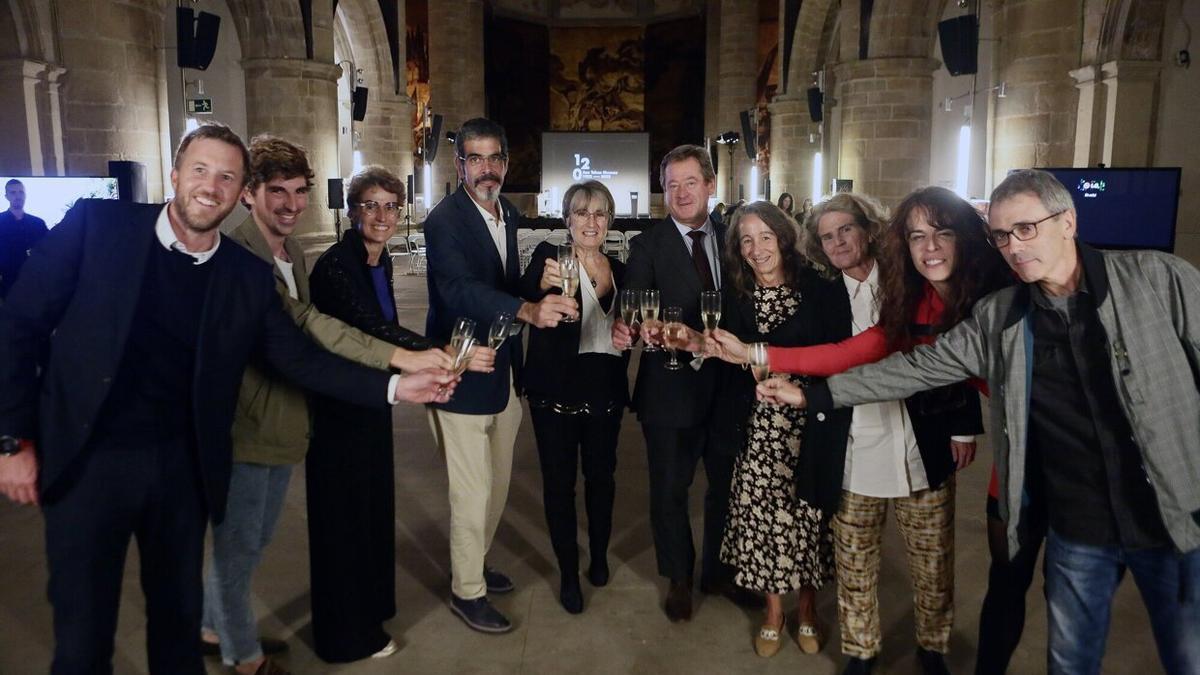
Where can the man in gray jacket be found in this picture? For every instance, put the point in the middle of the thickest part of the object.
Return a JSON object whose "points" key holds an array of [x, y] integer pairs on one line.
{"points": [[1092, 365]]}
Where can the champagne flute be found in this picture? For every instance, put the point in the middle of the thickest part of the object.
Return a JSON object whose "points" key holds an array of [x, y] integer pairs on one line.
{"points": [[650, 300], [566, 252], [710, 309], [569, 269], [631, 300], [760, 367], [463, 356], [463, 327], [501, 327], [673, 331]]}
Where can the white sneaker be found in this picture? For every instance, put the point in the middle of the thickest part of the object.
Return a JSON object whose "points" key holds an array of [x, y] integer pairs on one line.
{"points": [[390, 648]]}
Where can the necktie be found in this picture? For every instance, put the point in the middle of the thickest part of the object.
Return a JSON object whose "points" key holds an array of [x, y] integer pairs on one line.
{"points": [[700, 260]]}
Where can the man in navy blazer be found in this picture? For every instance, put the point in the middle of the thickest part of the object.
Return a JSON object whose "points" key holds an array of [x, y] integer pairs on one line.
{"points": [[473, 273], [122, 347], [681, 257]]}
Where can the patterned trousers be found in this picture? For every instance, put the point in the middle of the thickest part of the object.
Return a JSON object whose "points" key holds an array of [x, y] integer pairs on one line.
{"points": [[926, 521]]}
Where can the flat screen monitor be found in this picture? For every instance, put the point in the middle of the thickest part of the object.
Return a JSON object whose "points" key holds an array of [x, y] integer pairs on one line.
{"points": [[49, 197], [1124, 208], [620, 160]]}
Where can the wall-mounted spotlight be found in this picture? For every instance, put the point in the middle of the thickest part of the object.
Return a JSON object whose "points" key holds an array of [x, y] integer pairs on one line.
{"points": [[729, 138]]}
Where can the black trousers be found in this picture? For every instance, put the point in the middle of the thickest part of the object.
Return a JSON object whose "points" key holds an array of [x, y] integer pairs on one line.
{"points": [[672, 455], [151, 492], [562, 441], [1002, 618]]}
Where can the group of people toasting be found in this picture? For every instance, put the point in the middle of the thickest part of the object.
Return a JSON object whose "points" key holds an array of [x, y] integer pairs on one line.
{"points": [[207, 365]]}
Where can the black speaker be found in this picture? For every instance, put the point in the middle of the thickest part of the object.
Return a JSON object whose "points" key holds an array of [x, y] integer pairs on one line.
{"points": [[358, 109], [749, 135], [816, 102], [131, 180], [714, 154], [196, 37], [433, 138], [337, 200], [411, 190], [960, 44]]}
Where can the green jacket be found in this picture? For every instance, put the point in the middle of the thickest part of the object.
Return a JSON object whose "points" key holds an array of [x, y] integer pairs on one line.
{"points": [[271, 425]]}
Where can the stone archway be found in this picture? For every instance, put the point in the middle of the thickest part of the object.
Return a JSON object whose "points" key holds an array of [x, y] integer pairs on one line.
{"points": [[384, 136], [32, 108]]}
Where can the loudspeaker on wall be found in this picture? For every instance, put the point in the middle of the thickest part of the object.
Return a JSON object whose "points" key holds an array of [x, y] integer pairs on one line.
{"points": [[433, 139], [960, 44], [749, 135], [816, 101], [196, 37], [358, 100]]}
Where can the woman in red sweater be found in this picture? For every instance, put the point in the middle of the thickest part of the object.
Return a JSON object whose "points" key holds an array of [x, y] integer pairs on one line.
{"points": [[940, 265]]}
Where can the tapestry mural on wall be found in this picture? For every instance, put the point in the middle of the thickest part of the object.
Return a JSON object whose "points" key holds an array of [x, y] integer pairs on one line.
{"points": [[597, 80], [416, 60]]}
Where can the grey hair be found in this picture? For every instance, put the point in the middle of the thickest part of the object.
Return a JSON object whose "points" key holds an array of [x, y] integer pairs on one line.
{"points": [[587, 190], [480, 127], [1042, 184], [868, 213], [683, 153]]}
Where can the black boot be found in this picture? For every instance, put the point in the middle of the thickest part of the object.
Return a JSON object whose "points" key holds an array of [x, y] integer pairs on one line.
{"points": [[570, 595], [857, 666], [932, 663]]}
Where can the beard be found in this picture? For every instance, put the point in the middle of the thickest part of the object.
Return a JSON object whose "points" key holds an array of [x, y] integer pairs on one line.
{"points": [[486, 194], [196, 217]]}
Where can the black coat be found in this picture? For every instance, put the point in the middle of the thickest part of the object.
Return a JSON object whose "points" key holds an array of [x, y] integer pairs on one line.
{"points": [[342, 287], [684, 398], [554, 368], [823, 316], [75, 301]]}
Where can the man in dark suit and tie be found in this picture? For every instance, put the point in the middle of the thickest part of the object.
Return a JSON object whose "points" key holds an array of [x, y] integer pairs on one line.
{"points": [[681, 257], [473, 273], [122, 347]]}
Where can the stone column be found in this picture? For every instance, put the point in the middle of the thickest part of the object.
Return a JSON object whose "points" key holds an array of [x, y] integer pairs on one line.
{"points": [[387, 134], [110, 99], [29, 148], [1036, 121], [885, 135], [712, 69], [455, 78], [791, 152], [736, 90], [1131, 91], [297, 100], [1089, 118]]}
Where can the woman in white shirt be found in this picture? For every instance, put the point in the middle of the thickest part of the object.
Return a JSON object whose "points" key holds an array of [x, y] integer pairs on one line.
{"points": [[575, 381]]}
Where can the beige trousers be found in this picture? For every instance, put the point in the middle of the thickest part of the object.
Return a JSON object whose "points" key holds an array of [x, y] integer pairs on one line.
{"points": [[926, 521], [478, 451]]}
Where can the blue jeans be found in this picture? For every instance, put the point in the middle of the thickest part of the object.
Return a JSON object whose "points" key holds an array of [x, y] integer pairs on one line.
{"points": [[1080, 582], [255, 499]]}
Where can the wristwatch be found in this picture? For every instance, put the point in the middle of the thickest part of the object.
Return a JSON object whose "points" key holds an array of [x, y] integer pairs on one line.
{"points": [[9, 446]]}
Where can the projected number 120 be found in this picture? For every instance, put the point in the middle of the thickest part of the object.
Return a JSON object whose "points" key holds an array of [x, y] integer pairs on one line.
{"points": [[582, 163]]}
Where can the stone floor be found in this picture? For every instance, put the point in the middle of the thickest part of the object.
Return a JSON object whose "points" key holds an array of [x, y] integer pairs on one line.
{"points": [[622, 630]]}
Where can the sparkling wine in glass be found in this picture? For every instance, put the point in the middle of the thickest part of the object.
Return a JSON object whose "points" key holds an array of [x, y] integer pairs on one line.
{"points": [[631, 301], [501, 327], [463, 328], [674, 331], [710, 309], [649, 307], [569, 269], [759, 365], [463, 356]]}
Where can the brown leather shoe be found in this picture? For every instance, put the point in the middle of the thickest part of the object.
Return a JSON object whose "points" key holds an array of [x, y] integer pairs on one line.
{"points": [[679, 602]]}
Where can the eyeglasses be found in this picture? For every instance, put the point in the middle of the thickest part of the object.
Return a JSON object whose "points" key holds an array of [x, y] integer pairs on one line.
{"points": [[475, 161], [390, 209], [599, 217], [1022, 231]]}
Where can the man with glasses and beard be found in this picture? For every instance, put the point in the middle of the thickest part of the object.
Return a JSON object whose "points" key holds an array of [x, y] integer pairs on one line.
{"points": [[144, 323], [473, 273]]}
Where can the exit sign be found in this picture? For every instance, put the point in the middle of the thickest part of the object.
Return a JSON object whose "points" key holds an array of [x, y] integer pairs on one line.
{"points": [[200, 105]]}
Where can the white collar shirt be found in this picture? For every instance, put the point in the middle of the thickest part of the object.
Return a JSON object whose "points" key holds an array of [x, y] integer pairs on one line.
{"points": [[166, 237], [710, 246], [496, 228], [882, 457], [595, 331]]}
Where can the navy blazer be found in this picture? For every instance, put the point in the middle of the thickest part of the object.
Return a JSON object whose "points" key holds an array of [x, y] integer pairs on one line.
{"points": [[73, 305], [466, 279], [659, 258]]}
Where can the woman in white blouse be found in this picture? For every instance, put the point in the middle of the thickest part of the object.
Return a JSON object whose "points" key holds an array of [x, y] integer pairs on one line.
{"points": [[576, 385]]}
